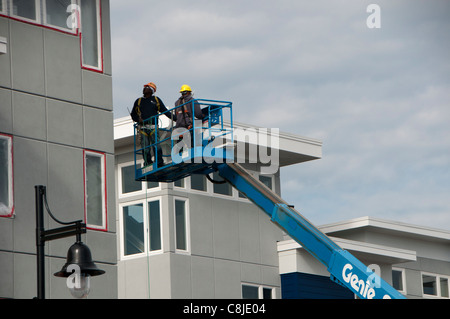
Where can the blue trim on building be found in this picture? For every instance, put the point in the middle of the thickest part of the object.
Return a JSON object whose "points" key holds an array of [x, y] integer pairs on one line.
{"points": [[307, 286]]}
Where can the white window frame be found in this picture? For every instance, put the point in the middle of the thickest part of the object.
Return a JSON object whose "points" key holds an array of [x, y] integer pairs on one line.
{"points": [[438, 285], [74, 29], [185, 181], [207, 183], [145, 213], [260, 290], [102, 156], [9, 138], [98, 68], [38, 12], [187, 225], [403, 278], [3, 10], [143, 189]]}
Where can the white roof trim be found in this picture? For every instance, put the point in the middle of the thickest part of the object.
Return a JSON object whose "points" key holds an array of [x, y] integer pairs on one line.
{"points": [[399, 255], [412, 230], [293, 148]]}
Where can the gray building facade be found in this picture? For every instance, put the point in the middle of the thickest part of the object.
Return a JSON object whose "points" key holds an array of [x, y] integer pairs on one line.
{"points": [[196, 239], [56, 130]]}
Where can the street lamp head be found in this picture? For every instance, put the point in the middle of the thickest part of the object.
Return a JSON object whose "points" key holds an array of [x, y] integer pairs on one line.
{"points": [[78, 270], [79, 254]]}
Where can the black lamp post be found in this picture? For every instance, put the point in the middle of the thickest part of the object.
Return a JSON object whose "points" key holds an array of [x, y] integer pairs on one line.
{"points": [[78, 256]]}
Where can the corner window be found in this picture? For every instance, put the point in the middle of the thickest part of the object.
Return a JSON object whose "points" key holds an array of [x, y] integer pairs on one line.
{"points": [[95, 190], [6, 176], [141, 228], [154, 220], [91, 47], [181, 226], [133, 229]]}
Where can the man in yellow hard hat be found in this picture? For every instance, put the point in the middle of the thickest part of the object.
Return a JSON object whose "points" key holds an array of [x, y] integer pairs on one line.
{"points": [[184, 116]]}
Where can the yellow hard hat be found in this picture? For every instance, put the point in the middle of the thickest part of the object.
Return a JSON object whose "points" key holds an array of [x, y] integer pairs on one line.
{"points": [[185, 88]]}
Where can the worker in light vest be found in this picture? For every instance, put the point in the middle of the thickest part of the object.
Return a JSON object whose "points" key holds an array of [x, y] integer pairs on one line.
{"points": [[184, 115], [144, 109]]}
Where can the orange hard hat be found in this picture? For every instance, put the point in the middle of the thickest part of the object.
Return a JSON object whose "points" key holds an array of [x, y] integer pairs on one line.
{"points": [[152, 85]]}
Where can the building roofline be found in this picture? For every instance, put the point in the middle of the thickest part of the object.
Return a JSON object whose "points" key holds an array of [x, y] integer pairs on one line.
{"points": [[409, 230], [368, 251], [293, 148]]}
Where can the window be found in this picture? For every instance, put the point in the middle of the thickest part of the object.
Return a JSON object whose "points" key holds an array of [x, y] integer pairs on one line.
{"points": [[27, 9], [58, 12], [435, 286], [198, 182], [154, 214], [444, 287], [250, 292], [90, 34], [6, 176], [95, 190], [398, 280], [141, 228], [223, 189], [181, 225], [133, 229], [127, 183], [179, 183], [69, 16], [266, 180], [257, 292]]}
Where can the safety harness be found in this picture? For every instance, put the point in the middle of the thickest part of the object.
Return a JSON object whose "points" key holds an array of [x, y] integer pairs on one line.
{"points": [[139, 113]]}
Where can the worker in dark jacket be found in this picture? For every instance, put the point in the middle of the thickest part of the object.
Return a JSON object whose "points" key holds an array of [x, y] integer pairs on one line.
{"points": [[144, 109], [184, 113], [149, 105]]}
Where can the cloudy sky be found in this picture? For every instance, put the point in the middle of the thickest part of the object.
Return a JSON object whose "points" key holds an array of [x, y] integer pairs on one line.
{"points": [[378, 98]]}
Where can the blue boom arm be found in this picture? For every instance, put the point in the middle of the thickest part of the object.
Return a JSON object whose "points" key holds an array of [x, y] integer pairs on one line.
{"points": [[344, 268], [204, 158]]}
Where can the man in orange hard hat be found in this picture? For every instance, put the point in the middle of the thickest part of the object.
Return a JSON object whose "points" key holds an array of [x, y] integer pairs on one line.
{"points": [[144, 110]]}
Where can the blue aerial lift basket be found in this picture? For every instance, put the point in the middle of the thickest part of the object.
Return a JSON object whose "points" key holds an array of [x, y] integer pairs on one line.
{"points": [[171, 158], [211, 152]]}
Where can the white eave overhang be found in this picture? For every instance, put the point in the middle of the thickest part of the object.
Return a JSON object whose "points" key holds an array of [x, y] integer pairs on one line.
{"points": [[382, 226], [364, 251], [293, 149]]}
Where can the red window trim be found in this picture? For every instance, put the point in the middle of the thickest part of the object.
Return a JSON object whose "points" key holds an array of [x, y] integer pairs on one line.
{"points": [[77, 33], [103, 155], [11, 214]]}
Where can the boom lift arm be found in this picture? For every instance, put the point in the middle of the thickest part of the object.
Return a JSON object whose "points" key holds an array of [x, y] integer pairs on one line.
{"points": [[344, 268], [203, 158]]}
